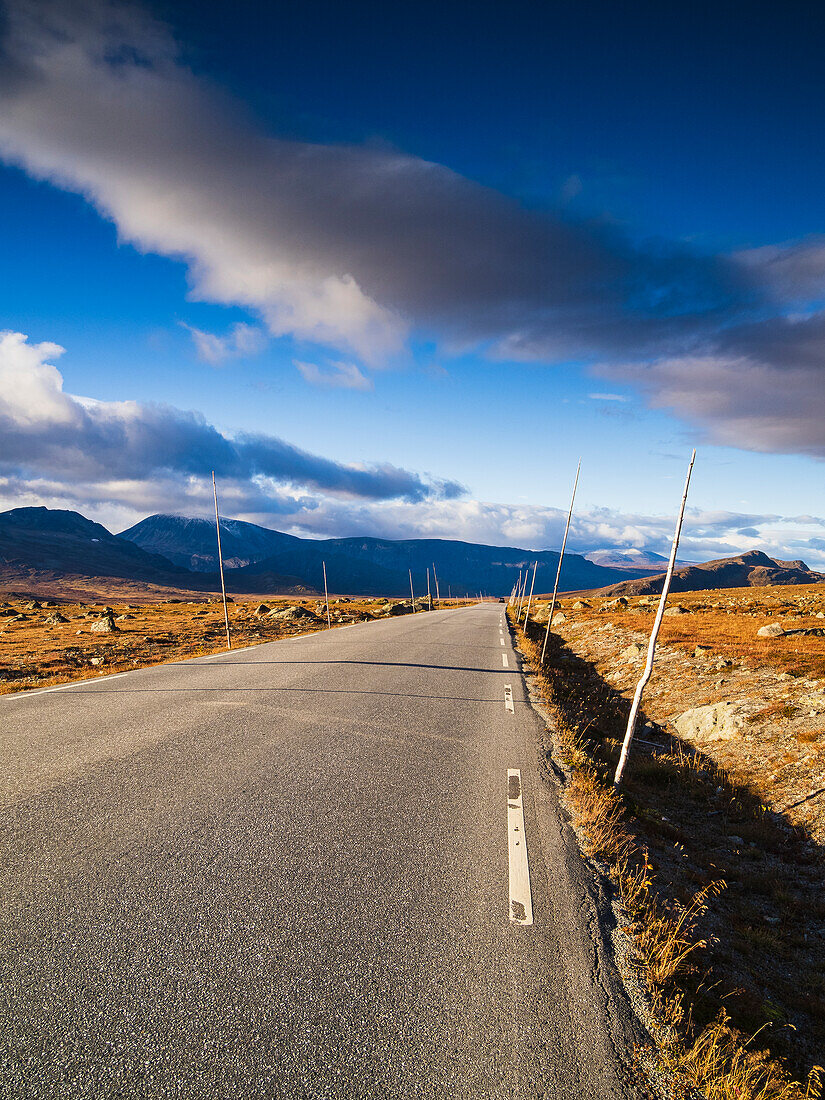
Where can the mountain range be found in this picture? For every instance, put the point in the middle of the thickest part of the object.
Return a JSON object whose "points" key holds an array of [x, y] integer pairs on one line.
{"points": [[39, 545], [358, 566], [750, 570], [180, 551]]}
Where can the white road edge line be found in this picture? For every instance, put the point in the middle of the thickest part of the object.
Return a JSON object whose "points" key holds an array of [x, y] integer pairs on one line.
{"points": [[508, 698], [504, 662], [521, 900]]}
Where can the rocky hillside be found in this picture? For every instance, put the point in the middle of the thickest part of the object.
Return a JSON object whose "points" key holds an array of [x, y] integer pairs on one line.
{"points": [[750, 570], [60, 541], [191, 542], [255, 556]]}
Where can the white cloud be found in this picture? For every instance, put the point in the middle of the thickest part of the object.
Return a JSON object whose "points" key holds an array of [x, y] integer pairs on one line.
{"points": [[52, 434], [337, 375], [607, 397], [242, 340]]}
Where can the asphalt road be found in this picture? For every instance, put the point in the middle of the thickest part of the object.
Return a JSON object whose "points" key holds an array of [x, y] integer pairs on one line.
{"points": [[283, 872]]}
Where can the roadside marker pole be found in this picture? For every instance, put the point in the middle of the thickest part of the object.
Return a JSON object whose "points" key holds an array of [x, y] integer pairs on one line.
{"points": [[651, 649], [516, 586], [522, 594], [437, 593], [220, 563], [527, 612], [412, 593], [326, 595], [561, 559], [429, 594]]}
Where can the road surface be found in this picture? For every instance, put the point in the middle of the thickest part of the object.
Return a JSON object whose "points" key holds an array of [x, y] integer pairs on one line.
{"points": [[292, 871]]}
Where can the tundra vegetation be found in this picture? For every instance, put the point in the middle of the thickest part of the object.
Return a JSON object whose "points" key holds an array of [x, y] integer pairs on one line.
{"points": [[715, 843], [43, 642]]}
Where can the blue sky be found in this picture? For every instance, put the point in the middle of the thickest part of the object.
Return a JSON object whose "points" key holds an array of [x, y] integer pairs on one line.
{"points": [[408, 264]]}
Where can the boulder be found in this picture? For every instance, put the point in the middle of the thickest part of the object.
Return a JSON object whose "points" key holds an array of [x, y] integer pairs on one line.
{"points": [[580, 605], [559, 618], [634, 652], [701, 651], [261, 609], [54, 620], [676, 609], [771, 630], [106, 625], [293, 614], [713, 722], [401, 609]]}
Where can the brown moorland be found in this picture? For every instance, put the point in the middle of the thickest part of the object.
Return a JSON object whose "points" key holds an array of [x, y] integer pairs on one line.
{"points": [[43, 642], [716, 842]]}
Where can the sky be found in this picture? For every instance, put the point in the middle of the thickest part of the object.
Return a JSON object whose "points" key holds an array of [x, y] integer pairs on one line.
{"points": [[394, 269]]}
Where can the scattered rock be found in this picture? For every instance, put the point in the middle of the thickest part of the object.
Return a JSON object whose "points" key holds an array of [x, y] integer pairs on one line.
{"points": [[580, 605], [771, 630], [401, 609], [261, 609], [292, 613], [634, 652], [559, 618], [105, 625], [54, 620], [96, 661], [33, 606], [713, 722], [701, 651], [676, 609]]}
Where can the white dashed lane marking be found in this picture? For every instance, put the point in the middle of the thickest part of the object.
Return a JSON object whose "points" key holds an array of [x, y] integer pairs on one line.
{"points": [[508, 698], [521, 901], [504, 662]]}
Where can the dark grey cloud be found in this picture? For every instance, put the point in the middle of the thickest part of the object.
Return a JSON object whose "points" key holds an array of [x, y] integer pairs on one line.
{"points": [[347, 246], [357, 248], [48, 432]]}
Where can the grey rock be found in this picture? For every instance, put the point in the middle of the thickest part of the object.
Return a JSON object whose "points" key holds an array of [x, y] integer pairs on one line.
{"points": [[770, 630], [713, 722]]}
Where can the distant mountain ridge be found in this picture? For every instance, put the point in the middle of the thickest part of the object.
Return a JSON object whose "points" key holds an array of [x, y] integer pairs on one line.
{"points": [[191, 542], [359, 566], [63, 541], [632, 559], [750, 570]]}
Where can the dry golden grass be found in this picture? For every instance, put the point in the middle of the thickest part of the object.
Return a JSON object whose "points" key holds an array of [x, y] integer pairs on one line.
{"points": [[36, 653], [670, 882]]}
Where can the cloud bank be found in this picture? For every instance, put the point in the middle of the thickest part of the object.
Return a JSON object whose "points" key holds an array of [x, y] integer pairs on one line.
{"points": [[347, 246], [47, 432]]}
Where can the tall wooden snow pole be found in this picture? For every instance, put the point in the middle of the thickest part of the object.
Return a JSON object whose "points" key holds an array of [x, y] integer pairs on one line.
{"points": [[561, 559], [651, 648], [429, 594], [521, 594], [532, 586], [518, 589], [326, 596], [412, 593], [220, 563], [437, 593]]}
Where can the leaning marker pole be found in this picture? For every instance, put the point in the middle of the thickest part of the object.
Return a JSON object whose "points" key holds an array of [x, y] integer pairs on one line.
{"points": [[651, 649], [530, 600], [561, 559], [412, 592], [326, 595], [220, 563], [437, 593]]}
